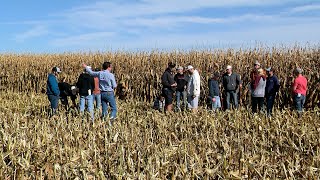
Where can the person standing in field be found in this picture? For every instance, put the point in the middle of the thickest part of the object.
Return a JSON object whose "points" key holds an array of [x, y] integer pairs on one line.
{"points": [[86, 86], [96, 92], [254, 72], [272, 89], [231, 83], [169, 86], [107, 84], [299, 88], [214, 92], [258, 91], [53, 91], [181, 80], [66, 90], [193, 89]]}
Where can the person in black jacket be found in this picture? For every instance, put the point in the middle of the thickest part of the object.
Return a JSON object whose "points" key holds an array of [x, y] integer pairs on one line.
{"points": [[86, 86], [169, 86], [182, 81], [231, 84], [214, 92], [67, 90]]}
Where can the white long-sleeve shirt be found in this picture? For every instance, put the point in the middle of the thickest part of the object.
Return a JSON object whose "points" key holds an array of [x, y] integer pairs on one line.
{"points": [[193, 88]]}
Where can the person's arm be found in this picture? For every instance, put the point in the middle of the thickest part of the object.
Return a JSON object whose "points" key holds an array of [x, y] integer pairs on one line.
{"points": [[196, 84], [53, 84], [239, 82], [89, 70], [211, 95], [256, 82], [79, 82], [164, 80], [113, 81], [92, 83], [277, 85], [294, 86]]}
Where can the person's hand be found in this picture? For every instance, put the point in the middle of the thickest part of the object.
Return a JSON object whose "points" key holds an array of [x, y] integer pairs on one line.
{"points": [[213, 99], [193, 96], [175, 84]]}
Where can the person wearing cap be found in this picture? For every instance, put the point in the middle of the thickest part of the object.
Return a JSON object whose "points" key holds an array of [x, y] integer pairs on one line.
{"points": [[181, 79], [299, 88], [86, 86], [107, 84], [214, 92], [254, 72], [258, 91], [193, 89], [231, 83], [272, 88], [96, 92], [53, 91], [169, 86]]}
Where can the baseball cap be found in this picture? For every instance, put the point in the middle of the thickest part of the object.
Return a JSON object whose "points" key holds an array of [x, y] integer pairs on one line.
{"points": [[229, 67], [216, 74], [269, 69], [257, 63], [56, 69], [189, 67], [299, 70]]}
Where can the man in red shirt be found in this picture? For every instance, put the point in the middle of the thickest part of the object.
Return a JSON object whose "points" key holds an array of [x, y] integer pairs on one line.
{"points": [[299, 89]]}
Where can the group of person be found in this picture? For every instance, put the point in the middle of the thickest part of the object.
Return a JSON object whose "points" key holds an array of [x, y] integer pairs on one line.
{"points": [[264, 86], [92, 86], [183, 83]]}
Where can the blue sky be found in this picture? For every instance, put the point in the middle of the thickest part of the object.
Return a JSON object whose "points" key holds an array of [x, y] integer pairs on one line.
{"points": [[86, 25]]}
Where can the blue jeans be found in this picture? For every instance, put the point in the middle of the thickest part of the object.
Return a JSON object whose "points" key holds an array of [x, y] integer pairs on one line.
{"points": [[54, 101], [217, 104], [270, 102], [182, 94], [97, 99], [234, 98], [108, 97], [299, 102], [89, 100]]}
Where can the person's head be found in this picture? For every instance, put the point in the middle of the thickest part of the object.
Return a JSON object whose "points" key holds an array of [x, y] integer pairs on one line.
{"points": [[180, 70], [270, 71], [190, 69], [229, 69], [261, 72], [107, 66], [171, 66], [257, 65], [297, 71], [97, 69], [56, 71], [216, 75]]}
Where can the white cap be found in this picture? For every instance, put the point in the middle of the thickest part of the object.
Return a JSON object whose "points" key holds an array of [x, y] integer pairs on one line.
{"points": [[229, 67], [189, 67], [89, 67], [180, 68], [73, 87]]}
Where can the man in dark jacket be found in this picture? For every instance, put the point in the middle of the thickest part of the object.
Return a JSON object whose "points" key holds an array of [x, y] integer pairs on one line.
{"points": [[272, 88], [86, 86], [66, 90], [231, 84], [169, 86], [53, 91], [214, 92], [181, 80]]}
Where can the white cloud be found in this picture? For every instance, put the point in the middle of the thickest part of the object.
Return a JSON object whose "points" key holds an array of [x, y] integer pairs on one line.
{"points": [[36, 31], [305, 8]]}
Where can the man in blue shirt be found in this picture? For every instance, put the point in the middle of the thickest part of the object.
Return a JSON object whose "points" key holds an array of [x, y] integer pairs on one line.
{"points": [[272, 88], [53, 91], [107, 84]]}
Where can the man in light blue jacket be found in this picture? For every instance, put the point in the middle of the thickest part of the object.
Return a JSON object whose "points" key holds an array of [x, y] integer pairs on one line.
{"points": [[107, 84], [53, 91]]}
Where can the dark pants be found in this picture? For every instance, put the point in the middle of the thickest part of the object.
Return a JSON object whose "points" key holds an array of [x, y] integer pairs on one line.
{"points": [[54, 101], [257, 102], [270, 103], [232, 94]]}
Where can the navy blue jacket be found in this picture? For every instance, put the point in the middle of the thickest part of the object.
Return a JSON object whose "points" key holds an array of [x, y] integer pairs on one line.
{"points": [[52, 85], [213, 88], [272, 85]]}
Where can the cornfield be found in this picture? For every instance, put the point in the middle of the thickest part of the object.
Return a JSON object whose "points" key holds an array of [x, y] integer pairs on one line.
{"points": [[146, 144]]}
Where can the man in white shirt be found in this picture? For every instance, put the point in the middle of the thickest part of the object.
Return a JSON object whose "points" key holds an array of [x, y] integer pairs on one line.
{"points": [[193, 89]]}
